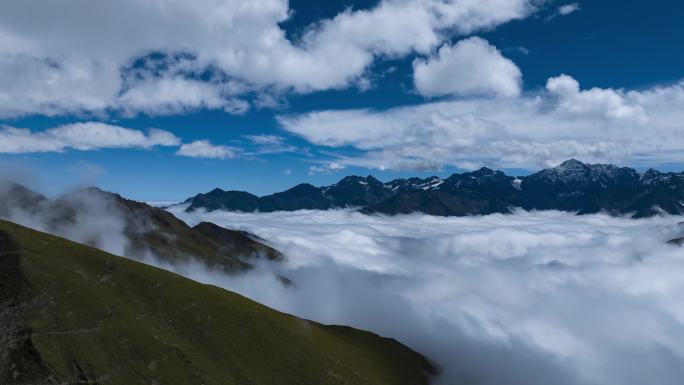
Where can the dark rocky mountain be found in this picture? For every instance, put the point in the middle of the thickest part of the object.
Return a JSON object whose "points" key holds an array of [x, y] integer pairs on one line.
{"points": [[226, 200], [300, 197], [236, 242], [353, 191], [575, 186], [572, 186], [356, 191], [586, 189], [414, 184], [663, 192], [107, 220], [480, 192]]}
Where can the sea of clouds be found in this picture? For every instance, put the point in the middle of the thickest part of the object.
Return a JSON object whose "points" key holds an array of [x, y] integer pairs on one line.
{"points": [[531, 298]]}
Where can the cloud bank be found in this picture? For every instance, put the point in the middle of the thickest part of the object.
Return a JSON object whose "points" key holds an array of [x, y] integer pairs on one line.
{"points": [[167, 57], [90, 136], [81, 136], [531, 298], [256, 146], [534, 130]]}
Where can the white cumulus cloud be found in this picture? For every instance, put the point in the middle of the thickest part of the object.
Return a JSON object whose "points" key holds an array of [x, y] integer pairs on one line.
{"points": [[177, 95], [534, 130], [609, 103], [69, 56], [471, 67]]}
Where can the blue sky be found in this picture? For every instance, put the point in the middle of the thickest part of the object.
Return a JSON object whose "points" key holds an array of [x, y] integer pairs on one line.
{"points": [[516, 85]]}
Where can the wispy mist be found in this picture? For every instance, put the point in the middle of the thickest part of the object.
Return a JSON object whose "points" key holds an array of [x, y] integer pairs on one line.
{"points": [[83, 216], [531, 298]]}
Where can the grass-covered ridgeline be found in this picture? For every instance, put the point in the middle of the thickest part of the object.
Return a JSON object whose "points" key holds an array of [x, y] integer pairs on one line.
{"points": [[74, 314]]}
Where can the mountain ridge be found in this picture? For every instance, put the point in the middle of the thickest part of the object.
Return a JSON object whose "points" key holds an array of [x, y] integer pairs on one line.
{"points": [[571, 186], [101, 218], [73, 314]]}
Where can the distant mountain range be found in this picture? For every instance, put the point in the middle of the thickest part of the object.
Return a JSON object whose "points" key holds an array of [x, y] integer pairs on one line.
{"points": [[572, 186]]}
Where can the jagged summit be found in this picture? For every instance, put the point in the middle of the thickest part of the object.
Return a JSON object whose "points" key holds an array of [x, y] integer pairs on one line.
{"points": [[412, 184], [571, 186], [573, 169], [569, 168], [571, 163], [484, 171], [370, 179]]}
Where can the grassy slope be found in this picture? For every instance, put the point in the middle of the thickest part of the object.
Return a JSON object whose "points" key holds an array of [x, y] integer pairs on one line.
{"points": [[97, 317]]}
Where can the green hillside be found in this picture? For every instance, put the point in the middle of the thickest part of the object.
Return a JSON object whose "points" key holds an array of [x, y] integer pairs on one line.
{"points": [[73, 314], [152, 230]]}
